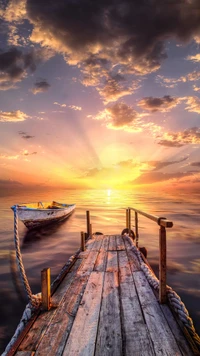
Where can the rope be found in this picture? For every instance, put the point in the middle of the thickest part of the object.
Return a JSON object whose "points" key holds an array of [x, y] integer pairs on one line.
{"points": [[33, 299], [173, 298]]}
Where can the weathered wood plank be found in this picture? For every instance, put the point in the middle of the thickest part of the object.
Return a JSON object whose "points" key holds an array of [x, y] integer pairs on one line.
{"points": [[83, 334], [105, 243], [134, 330], [178, 334], [33, 337], [109, 339], [97, 242], [57, 333], [134, 263], [161, 335], [112, 243], [89, 244], [25, 353], [120, 243], [112, 262], [101, 261], [89, 262]]}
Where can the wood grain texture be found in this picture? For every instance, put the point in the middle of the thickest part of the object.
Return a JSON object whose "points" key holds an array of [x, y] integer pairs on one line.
{"points": [[161, 335], [82, 338], [109, 339]]}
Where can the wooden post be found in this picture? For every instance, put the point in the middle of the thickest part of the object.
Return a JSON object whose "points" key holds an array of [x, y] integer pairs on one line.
{"points": [[129, 220], [127, 216], [136, 228], [45, 288], [91, 230], [82, 241], [88, 222], [162, 265]]}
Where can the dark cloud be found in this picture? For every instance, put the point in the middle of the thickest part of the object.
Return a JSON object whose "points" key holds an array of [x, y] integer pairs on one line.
{"points": [[132, 33], [163, 104], [195, 164], [25, 135], [153, 177], [162, 164], [14, 65], [9, 182], [40, 86], [26, 153], [169, 143]]}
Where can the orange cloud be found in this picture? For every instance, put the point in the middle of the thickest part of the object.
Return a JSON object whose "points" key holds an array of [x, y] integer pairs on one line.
{"points": [[13, 116]]}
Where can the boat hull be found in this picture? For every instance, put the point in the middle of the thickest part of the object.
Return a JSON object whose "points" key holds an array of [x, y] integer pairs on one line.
{"points": [[36, 217]]}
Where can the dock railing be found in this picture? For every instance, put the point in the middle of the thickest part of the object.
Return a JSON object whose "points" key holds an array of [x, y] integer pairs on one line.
{"points": [[163, 223]]}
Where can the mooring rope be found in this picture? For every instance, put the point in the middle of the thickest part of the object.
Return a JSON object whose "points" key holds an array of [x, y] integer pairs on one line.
{"points": [[33, 299], [173, 298]]}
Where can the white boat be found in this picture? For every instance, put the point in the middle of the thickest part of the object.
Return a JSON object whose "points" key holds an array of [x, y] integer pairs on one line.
{"points": [[42, 213]]}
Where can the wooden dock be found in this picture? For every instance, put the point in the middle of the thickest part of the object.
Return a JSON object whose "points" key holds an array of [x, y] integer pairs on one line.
{"points": [[105, 306]]}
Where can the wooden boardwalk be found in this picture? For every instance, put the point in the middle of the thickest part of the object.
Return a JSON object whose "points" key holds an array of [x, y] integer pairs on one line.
{"points": [[105, 306]]}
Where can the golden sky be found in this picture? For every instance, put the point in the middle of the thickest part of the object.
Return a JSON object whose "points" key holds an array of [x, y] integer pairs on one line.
{"points": [[100, 94]]}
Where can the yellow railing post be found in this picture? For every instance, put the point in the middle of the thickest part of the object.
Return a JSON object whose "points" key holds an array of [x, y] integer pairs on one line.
{"points": [[45, 288]]}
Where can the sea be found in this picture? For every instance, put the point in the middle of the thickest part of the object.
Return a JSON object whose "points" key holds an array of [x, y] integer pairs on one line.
{"points": [[52, 246]]}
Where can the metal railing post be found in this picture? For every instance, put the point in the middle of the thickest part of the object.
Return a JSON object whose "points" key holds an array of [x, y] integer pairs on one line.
{"points": [[129, 220], [162, 264]]}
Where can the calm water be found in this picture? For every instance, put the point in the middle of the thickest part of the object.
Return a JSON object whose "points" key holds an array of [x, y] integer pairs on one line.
{"points": [[51, 248]]}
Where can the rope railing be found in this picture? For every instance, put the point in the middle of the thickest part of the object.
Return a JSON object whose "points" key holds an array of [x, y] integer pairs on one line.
{"points": [[163, 223]]}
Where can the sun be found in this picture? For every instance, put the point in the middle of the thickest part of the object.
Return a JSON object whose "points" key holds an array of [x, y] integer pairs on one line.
{"points": [[108, 192]]}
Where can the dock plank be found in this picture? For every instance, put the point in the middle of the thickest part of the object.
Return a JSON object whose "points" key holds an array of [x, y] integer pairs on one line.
{"points": [[134, 263], [109, 339], [35, 334], [56, 335], [101, 261], [83, 334], [89, 262], [112, 262], [134, 330], [161, 335], [120, 243], [105, 243], [112, 243]]}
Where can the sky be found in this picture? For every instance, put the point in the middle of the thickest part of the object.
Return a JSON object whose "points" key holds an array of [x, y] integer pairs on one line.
{"points": [[100, 94]]}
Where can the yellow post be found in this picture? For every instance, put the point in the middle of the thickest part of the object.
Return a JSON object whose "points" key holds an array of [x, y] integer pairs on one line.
{"points": [[45, 288]]}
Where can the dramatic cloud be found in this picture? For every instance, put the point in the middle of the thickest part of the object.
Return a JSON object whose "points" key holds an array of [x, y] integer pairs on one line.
{"points": [[164, 104], [162, 164], [83, 28], [196, 88], [113, 91], [13, 116], [178, 139], [121, 116], [193, 103], [195, 58], [14, 65], [40, 87], [172, 82]]}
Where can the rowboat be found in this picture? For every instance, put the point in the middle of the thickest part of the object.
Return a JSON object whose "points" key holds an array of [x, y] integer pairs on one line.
{"points": [[38, 214]]}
